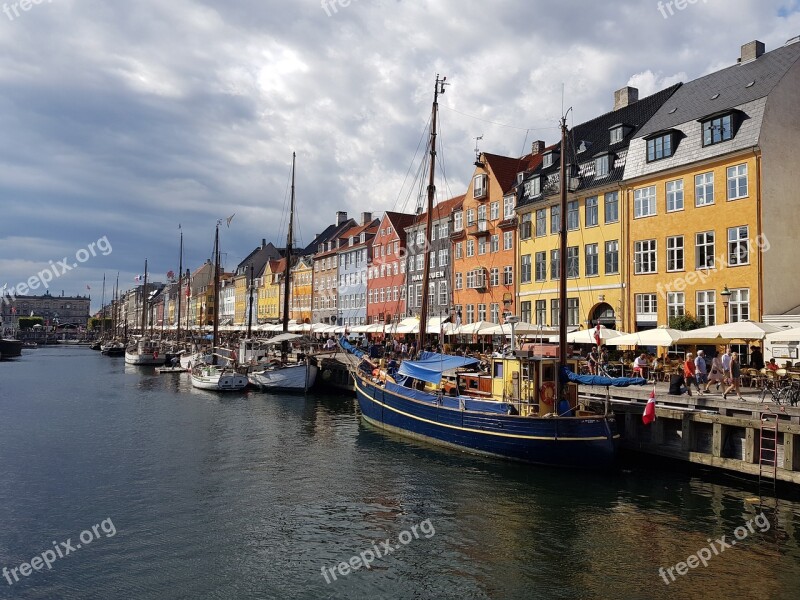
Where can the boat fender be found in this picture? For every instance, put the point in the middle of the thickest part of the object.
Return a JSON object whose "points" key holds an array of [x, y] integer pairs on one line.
{"points": [[547, 393]]}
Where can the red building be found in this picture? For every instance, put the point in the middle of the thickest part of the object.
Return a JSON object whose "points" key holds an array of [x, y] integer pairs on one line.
{"points": [[386, 298]]}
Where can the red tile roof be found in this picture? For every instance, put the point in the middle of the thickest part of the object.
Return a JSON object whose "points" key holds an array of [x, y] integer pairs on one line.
{"points": [[440, 211], [505, 168]]}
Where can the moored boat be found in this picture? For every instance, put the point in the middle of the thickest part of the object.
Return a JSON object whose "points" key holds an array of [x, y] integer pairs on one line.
{"points": [[10, 348]]}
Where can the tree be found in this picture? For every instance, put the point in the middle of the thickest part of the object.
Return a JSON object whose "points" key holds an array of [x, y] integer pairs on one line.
{"points": [[685, 322], [29, 322]]}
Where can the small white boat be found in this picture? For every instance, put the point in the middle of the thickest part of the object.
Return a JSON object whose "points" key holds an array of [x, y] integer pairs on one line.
{"points": [[288, 378], [214, 377], [144, 352]]}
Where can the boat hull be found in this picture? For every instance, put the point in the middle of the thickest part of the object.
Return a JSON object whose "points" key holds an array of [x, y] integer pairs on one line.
{"points": [[144, 359], [211, 378], [10, 348], [297, 378], [576, 442]]}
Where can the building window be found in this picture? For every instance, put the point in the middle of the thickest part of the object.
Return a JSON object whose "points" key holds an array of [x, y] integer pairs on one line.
{"points": [[739, 305], [533, 187], [443, 232], [525, 269], [482, 246], [675, 195], [592, 260], [495, 243], [591, 216], [541, 312], [555, 219], [737, 182], [617, 134], [573, 262], [573, 218], [547, 160], [495, 314], [479, 186], [470, 248], [470, 313], [459, 250], [508, 240], [611, 206], [458, 221], [717, 130], [443, 297], [644, 254], [481, 312], [444, 257], [659, 147], [738, 246], [470, 216], [704, 250], [508, 275], [525, 311], [612, 257], [573, 312], [508, 207], [554, 312], [646, 307], [418, 295], [704, 189], [541, 266], [482, 213], [676, 305], [494, 212], [644, 202], [675, 253], [494, 276], [555, 264], [541, 222], [525, 227], [601, 165], [707, 307]]}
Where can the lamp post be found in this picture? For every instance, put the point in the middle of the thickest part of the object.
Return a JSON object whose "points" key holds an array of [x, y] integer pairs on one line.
{"points": [[726, 294], [512, 320]]}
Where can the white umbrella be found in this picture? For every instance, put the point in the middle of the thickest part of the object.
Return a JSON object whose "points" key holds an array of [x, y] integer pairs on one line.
{"points": [[586, 336], [741, 330], [521, 328], [661, 336], [473, 328], [785, 335]]}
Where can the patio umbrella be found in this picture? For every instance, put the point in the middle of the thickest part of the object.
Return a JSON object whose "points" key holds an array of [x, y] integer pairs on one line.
{"points": [[741, 330], [785, 335], [586, 336], [661, 336], [473, 328], [521, 328]]}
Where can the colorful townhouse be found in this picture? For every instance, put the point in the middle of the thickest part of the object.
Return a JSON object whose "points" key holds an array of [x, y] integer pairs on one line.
{"points": [[269, 306], [386, 296], [484, 238], [354, 255], [595, 157], [326, 271], [440, 293], [257, 259], [711, 196], [300, 289]]}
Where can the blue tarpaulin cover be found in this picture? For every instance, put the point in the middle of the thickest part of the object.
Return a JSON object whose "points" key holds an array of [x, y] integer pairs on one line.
{"points": [[568, 375], [350, 348], [430, 366]]}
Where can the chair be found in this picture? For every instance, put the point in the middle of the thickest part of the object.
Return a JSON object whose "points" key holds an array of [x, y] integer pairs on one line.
{"points": [[771, 378]]}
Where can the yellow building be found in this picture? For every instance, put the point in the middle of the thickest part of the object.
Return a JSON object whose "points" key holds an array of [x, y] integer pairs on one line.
{"points": [[269, 292], [300, 290], [711, 196], [595, 157]]}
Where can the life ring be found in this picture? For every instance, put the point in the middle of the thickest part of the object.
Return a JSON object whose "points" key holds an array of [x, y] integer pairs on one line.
{"points": [[547, 393]]}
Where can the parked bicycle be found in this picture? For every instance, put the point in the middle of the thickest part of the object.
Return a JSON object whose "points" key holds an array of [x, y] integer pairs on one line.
{"points": [[787, 394]]}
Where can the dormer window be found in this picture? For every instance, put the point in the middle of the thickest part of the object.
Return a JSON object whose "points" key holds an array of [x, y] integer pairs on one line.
{"points": [[479, 186], [660, 146], [363, 237], [520, 177], [350, 240], [617, 133], [602, 165], [717, 129], [533, 187], [548, 159]]}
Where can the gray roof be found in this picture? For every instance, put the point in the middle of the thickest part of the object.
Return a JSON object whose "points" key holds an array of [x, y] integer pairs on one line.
{"points": [[693, 100]]}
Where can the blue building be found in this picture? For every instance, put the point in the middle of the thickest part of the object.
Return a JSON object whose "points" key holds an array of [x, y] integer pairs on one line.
{"points": [[354, 256]]}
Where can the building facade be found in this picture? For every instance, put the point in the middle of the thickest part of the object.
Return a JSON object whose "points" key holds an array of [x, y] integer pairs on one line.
{"points": [[354, 256], [300, 289], [55, 310], [386, 296]]}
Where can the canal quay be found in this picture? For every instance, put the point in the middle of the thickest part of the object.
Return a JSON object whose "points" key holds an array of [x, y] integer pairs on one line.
{"points": [[182, 493]]}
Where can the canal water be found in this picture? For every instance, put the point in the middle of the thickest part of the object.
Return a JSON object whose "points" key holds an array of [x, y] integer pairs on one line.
{"points": [[128, 484]]}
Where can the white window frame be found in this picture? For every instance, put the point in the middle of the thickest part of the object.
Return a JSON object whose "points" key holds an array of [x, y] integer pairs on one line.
{"points": [[676, 254], [706, 302], [738, 185], [644, 202], [704, 189], [674, 192], [645, 254], [739, 305], [676, 304], [701, 240], [738, 245]]}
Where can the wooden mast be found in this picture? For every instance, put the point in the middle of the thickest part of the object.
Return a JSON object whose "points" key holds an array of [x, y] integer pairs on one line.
{"points": [[250, 304], [562, 265], [216, 298], [287, 267], [144, 300], [426, 267], [103, 304], [180, 289]]}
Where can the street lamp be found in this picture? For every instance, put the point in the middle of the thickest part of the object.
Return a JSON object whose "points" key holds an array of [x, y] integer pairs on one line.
{"points": [[512, 320], [726, 295]]}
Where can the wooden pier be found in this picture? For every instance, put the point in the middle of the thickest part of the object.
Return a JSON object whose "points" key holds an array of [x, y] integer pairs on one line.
{"points": [[709, 430]]}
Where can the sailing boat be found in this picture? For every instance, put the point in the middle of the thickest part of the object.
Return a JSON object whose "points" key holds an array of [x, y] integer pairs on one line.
{"points": [[144, 351], [114, 347], [520, 410], [214, 376], [283, 377]]}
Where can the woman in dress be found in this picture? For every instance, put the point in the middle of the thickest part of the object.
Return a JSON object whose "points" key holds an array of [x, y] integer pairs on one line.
{"points": [[717, 374]]}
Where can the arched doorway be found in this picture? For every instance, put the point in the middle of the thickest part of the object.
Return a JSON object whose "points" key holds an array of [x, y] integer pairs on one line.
{"points": [[604, 314]]}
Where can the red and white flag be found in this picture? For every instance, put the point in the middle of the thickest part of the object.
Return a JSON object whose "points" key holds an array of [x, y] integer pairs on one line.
{"points": [[597, 336], [649, 414]]}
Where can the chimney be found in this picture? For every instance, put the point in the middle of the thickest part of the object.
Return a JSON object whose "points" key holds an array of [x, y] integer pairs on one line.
{"points": [[263, 242], [366, 218], [537, 147], [751, 51], [625, 97], [341, 217]]}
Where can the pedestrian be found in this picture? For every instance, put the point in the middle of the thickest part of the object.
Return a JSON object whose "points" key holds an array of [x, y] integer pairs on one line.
{"points": [[716, 375], [756, 357], [689, 370], [736, 378], [592, 359], [701, 369], [726, 366], [603, 365]]}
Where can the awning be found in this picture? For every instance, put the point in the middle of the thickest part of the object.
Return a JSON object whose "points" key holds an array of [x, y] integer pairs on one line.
{"points": [[430, 366], [284, 337]]}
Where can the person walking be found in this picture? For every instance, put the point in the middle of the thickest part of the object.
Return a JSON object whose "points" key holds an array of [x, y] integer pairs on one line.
{"points": [[726, 366], [716, 375], [736, 378], [689, 370], [701, 370]]}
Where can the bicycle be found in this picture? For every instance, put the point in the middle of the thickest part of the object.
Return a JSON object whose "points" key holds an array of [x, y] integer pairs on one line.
{"points": [[788, 393]]}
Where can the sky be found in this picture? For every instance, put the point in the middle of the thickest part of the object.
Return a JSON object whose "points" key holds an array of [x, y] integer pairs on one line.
{"points": [[123, 121]]}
